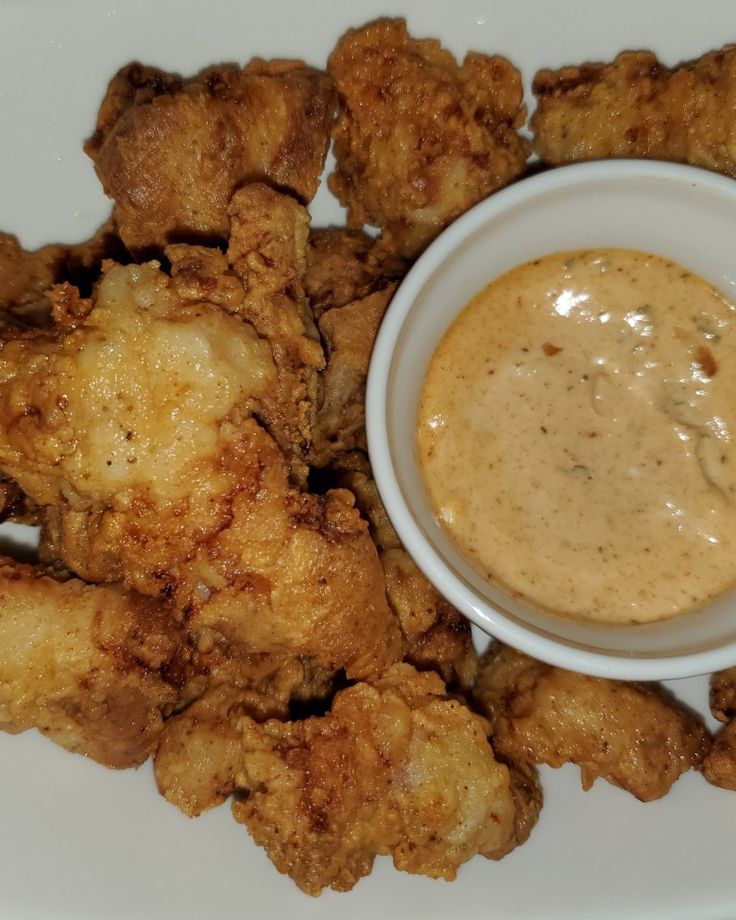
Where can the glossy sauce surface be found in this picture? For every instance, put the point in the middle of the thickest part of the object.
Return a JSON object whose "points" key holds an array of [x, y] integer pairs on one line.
{"points": [[576, 435]]}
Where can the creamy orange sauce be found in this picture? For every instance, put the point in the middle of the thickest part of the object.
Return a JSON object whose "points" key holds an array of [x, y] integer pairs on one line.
{"points": [[576, 436]]}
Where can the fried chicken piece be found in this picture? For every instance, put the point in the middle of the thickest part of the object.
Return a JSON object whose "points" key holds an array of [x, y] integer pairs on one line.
{"points": [[283, 680], [135, 432], [528, 800], [199, 761], [350, 282], [267, 250], [418, 139], [347, 265], [636, 107], [25, 277], [348, 334], [91, 667], [171, 152], [437, 635], [723, 695], [633, 735], [719, 765], [395, 767]]}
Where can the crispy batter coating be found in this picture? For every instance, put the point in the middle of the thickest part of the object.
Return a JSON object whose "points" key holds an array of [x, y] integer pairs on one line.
{"points": [[260, 280], [528, 800], [636, 107], [723, 695], [25, 277], [437, 636], [347, 265], [135, 430], [171, 152], [350, 282], [719, 766], [395, 767], [633, 735], [91, 667], [418, 139], [348, 334]]}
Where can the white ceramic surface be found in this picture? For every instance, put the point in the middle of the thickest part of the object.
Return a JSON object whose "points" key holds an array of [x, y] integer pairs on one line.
{"points": [[675, 211], [78, 842]]}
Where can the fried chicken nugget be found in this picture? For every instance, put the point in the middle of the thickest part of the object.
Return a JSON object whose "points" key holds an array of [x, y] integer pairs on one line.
{"points": [[346, 265], [633, 735], [419, 139], [135, 431], [350, 282], [91, 667], [437, 635], [636, 107], [719, 766], [395, 767], [723, 695], [171, 152]]}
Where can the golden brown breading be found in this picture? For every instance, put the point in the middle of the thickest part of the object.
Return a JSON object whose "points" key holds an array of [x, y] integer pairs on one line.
{"points": [[198, 763], [346, 265], [135, 432], [528, 801], [89, 666], [348, 334], [636, 107], [25, 277], [350, 282], [280, 679], [418, 139], [719, 765], [395, 767], [633, 735], [260, 280], [171, 152], [723, 694], [436, 635]]}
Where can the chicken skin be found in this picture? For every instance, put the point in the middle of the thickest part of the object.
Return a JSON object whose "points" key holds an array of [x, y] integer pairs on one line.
{"points": [[637, 107], [395, 767], [631, 734], [418, 138], [91, 667], [134, 427], [171, 152]]}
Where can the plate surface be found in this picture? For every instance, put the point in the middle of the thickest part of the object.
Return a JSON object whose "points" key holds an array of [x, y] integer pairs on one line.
{"points": [[79, 841]]}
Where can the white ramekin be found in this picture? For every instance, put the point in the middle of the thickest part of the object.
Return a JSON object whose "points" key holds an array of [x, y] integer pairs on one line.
{"points": [[682, 213]]}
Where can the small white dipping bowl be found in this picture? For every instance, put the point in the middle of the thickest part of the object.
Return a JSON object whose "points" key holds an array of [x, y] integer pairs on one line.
{"points": [[678, 212]]}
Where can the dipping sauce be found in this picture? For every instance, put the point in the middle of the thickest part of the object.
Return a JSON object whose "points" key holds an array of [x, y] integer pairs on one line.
{"points": [[575, 434]]}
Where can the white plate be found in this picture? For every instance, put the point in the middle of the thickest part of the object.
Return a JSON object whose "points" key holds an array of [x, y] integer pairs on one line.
{"points": [[78, 841]]}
